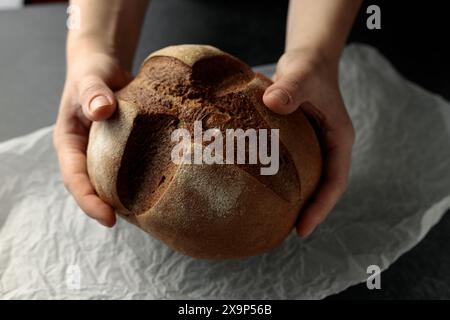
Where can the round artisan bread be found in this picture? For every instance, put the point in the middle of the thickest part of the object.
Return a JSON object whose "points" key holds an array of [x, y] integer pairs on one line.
{"points": [[213, 211]]}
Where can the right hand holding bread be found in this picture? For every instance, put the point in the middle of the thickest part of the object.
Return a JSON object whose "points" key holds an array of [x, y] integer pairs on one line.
{"points": [[309, 80], [87, 96]]}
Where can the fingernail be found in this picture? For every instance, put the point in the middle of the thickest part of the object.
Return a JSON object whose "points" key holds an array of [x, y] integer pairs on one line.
{"points": [[279, 95], [98, 102]]}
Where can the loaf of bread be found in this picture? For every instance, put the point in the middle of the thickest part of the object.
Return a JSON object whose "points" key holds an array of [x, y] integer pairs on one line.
{"points": [[211, 211]]}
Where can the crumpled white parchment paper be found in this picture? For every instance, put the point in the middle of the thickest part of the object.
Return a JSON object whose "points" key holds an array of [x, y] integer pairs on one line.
{"points": [[399, 188]]}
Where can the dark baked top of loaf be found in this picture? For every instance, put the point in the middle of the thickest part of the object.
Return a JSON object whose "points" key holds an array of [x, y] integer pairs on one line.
{"points": [[173, 94]]}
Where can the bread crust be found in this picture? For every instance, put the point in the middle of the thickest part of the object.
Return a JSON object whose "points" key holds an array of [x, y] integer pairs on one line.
{"points": [[207, 211], [187, 53]]}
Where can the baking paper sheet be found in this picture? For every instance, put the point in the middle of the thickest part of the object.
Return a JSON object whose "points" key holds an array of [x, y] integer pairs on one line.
{"points": [[399, 188]]}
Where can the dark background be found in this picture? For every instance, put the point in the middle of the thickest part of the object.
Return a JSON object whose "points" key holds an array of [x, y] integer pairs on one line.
{"points": [[413, 37], [414, 34]]}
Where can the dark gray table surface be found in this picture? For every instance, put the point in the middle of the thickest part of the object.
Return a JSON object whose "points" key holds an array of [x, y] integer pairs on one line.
{"points": [[32, 71]]}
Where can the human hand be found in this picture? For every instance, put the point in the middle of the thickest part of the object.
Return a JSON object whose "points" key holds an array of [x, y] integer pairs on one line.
{"points": [[309, 80], [88, 96]]}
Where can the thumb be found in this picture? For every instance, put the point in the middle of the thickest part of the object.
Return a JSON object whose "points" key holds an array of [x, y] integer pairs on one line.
{"points": [[285, 95], [96, 98]]}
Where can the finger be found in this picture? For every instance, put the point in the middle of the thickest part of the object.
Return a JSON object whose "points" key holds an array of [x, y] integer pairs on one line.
{"points": [[285, 95], [96, 98], [79, 185], [72, 160], [334, 183]]}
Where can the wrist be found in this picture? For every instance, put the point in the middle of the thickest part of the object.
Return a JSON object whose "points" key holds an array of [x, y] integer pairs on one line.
{"points": [[315, 56], [83, 45], [92, 63], [316, 53], [85, 53]]}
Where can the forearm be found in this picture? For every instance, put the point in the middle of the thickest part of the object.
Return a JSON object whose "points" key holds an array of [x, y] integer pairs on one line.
{"points": [[320, 25], [107, 26]]}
